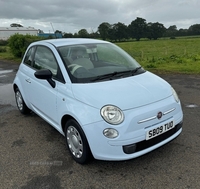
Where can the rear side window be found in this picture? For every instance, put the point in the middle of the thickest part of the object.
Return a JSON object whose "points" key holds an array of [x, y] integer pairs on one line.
{"points": [[29, 56]]}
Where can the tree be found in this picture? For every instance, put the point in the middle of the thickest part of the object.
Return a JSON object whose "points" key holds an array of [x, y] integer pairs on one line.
{"points": [[194, 29], [68, 35], [118, 31], [138, 28], [171, 31], [155, 30], [58, 31], [83, 33], [58, 34], [182, 32], [94, 35], [112, 33], [121, 31], [40, 31], [103, 29], [15, 25], [76, 35]]}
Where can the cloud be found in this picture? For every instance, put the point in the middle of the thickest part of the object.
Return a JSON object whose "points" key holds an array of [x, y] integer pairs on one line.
{"points": [[73, 15]]}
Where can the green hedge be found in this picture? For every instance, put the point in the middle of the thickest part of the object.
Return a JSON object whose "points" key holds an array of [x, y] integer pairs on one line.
{"points": [[18, 43], [2, 49], [3, 42]]}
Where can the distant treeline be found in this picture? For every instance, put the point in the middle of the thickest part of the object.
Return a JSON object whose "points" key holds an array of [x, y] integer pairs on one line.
{"points": [[137, 29]]}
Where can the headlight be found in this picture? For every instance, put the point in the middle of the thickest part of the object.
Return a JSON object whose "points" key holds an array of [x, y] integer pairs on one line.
{"points": [[112, 114], [175, 95]]}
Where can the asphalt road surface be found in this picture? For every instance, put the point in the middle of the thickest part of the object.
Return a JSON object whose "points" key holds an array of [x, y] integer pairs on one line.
{"points": [[33, 155]]}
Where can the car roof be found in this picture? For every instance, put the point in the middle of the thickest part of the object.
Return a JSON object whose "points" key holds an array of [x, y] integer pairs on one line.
{"points": [[69, 41]]}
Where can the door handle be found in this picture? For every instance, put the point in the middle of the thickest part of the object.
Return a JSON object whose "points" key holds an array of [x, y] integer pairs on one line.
{"points": [[28, 80]]}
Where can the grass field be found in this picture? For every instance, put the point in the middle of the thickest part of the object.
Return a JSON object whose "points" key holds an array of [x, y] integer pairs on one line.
{"points": [[181, 55], [177, 55]]}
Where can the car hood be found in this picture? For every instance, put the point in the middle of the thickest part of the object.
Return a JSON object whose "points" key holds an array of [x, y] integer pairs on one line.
{"points": [[126, 93]]}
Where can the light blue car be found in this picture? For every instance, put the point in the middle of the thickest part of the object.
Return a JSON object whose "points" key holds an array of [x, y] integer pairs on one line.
{"points": [[95, 94]]}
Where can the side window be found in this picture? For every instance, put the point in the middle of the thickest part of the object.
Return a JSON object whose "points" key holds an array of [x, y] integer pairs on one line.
{"points": [[44, 59], [29, 56]]}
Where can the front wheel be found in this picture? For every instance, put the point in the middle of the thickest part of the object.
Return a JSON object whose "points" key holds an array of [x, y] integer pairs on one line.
{"points": [[77, 142], [20, 102]]}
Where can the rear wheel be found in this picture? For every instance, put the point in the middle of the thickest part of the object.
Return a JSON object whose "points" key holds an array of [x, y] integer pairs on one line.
{"points": [[77, 142], [20, 102]]}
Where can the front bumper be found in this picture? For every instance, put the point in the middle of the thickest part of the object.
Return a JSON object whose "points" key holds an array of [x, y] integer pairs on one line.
{"points": [[103, 150], [137, 147]]}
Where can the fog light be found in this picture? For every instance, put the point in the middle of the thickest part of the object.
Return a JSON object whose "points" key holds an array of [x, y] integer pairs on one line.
{"points": [[129, 149], [110, 133]]}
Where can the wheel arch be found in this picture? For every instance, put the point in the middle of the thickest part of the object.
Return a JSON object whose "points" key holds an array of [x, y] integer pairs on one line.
{"points": [[18, 86], [64, 119], [15, 87]]}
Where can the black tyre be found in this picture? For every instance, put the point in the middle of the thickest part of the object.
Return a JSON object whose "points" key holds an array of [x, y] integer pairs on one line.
{"points": [[77, 142], [20, 102]]}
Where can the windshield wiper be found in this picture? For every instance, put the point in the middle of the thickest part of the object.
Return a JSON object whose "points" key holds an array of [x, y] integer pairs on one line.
{"points": [[136, 69], [114, 74], [105, 76]]}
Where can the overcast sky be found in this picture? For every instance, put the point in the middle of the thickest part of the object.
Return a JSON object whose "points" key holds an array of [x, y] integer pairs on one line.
{"points": [[72, 15]]}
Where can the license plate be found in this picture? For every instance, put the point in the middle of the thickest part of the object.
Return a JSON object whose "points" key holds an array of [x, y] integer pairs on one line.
{"points": [[159, 130]]}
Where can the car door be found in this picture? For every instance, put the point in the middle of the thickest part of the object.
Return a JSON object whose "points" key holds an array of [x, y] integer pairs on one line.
{"points": [[43, 97], [24, 73]]}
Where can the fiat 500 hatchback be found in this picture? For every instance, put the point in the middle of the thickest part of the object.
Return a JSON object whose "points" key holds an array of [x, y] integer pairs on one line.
{"points": [[96, 95]]}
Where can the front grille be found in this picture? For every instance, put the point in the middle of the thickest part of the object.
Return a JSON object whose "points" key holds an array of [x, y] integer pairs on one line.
{"points": [[148, 143]]}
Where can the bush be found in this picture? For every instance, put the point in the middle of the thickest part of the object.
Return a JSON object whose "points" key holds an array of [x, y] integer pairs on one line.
{"points": [[2, 49], [18, 43], [3, 42]]}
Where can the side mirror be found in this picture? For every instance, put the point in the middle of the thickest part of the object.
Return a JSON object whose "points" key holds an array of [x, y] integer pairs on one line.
{"points": [[45, 74]]}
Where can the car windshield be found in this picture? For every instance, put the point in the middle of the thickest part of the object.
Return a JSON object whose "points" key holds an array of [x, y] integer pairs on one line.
{"points": [[98, 62]]}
